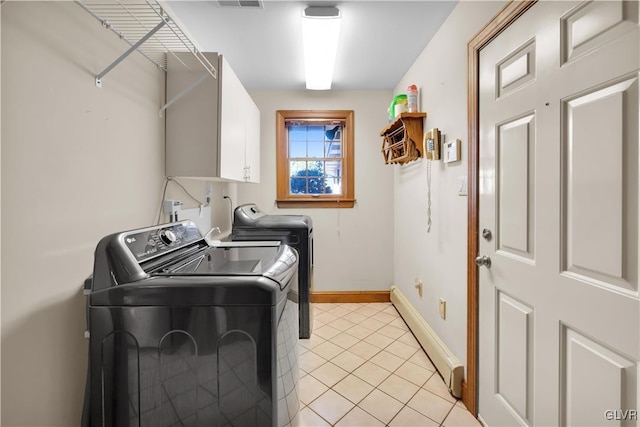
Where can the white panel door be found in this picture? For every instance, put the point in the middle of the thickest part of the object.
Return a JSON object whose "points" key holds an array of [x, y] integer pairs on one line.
{"points": [[559, 311]]}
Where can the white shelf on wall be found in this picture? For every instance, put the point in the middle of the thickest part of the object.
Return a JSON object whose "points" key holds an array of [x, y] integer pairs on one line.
{"points": [[148, 27]]}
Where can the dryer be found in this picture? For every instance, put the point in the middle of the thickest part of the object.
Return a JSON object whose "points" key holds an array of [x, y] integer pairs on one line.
{"points": [[250, 223]]}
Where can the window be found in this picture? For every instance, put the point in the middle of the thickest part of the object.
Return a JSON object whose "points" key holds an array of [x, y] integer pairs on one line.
{"points": [[314, 159]]}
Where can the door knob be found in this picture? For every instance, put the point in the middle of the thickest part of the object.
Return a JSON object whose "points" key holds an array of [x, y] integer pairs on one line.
{"points": [[483, 260]]}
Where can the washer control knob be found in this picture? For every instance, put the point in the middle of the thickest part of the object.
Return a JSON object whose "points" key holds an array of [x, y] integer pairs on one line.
{"points": [[167, 237]]}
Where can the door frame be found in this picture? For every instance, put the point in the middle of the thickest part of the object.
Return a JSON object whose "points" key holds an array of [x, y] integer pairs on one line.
{"points": [[505, 17]]}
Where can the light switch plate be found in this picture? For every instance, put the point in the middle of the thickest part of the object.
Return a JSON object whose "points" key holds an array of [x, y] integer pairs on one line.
{"points": [[443, 308], [462, 185]]}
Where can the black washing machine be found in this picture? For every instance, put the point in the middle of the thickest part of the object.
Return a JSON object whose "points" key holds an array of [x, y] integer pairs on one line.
{"points": [[250, 223], [185, 333]]}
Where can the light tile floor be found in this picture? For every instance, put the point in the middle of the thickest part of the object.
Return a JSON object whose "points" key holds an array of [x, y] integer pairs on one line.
{"points": [[363, 367]]}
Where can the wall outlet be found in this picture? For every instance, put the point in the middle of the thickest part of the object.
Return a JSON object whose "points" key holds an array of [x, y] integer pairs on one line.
{"points": [[419, 286], [443, 308]]}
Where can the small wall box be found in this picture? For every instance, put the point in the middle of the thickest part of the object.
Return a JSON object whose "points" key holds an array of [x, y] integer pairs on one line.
{"points": [[452, 151]]}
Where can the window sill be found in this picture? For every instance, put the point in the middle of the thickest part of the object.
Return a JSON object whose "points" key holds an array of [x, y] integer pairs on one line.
{"points": [[315, 202]]}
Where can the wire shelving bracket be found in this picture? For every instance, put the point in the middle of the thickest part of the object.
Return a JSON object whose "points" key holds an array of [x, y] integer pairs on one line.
{"points": [[156, 32]]}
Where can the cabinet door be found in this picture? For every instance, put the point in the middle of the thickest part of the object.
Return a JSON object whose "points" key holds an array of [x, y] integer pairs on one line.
{"points": [[232, 125], [252, 145]]}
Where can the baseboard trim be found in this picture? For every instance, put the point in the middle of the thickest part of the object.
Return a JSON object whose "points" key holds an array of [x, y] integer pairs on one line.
{"points": [[447, 364], [349, 296]]}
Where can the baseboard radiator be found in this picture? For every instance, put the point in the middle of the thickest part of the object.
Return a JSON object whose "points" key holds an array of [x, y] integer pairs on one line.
{"points": [[443, 359]]}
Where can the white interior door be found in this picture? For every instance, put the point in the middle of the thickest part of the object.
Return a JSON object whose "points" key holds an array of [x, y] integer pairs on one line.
{"points": [[559, 337]]}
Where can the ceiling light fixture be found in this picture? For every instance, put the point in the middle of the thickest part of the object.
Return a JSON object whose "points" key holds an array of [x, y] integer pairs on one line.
{"points": [[320, 30]]}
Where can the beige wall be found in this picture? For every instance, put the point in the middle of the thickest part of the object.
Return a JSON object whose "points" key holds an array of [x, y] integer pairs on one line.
{"points": [[439, 258], [78, 163], [353, 247], [0, 211], [221, 215]]}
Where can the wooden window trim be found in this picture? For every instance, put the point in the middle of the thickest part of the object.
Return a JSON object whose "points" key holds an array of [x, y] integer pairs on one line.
{"points": [[286, 200]]}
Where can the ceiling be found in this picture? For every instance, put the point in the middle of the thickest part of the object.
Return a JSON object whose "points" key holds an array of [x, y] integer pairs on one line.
{"points": [[379, 40]]}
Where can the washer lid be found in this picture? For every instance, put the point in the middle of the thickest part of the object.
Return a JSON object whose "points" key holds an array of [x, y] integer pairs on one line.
{"points": [[215, 276], [250, 216], [276, 262], [284, 221]]}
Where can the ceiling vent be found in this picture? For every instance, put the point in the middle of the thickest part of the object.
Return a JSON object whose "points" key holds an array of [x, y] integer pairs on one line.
{"points": [[245, 4]]}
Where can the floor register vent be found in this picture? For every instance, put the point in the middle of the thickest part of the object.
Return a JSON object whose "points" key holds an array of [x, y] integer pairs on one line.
{"points": [[444, 360]]}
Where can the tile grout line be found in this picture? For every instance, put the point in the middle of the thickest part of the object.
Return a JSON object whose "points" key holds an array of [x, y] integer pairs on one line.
{"points": [[391, 372]]}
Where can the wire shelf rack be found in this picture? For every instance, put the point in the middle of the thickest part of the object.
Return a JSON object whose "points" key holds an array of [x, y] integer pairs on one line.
{"points": [[147, 27]]}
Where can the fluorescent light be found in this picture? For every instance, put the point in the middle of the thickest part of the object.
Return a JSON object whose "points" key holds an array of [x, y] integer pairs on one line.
{"points": [[320, 30]]}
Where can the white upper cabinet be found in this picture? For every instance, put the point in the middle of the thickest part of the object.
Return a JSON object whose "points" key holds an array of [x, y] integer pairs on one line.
{"points": [[213, 131]]}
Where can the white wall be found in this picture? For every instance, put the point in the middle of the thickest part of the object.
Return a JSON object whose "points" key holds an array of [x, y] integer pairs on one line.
{"points": [[78, 163], [439, 258], [353, 247]]}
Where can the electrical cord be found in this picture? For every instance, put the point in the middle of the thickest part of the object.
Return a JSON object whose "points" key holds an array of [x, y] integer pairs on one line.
{"points": [[185, 190], [164, 193], [230, 208]]}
